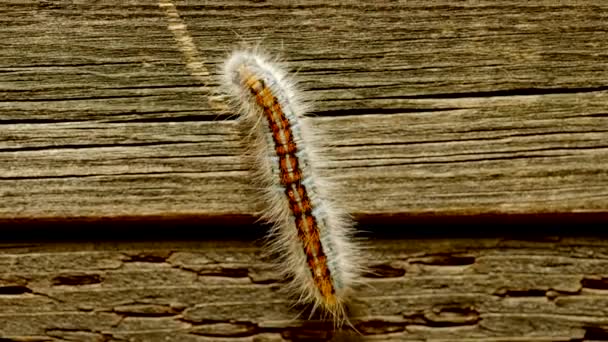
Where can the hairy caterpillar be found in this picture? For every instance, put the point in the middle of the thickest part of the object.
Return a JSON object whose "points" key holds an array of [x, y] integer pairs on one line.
{"points": [[312, 235]]}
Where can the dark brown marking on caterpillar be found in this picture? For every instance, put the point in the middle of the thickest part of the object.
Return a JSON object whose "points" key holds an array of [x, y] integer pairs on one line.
{"points": [[291, 176]]}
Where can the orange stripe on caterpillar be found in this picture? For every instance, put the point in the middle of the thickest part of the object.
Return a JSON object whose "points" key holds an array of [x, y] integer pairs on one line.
{"points": [[312, 235]]}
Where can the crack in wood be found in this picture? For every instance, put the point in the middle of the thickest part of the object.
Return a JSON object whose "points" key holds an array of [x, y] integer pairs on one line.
{"points": [[599, 333], [314, 331], [444, 260], [379, 111], [14, 290], [457, 308], [86, 146], [595, 282], [451, 316], [230, 272], [77, 279], [438, 317], [27, 339], [383, 271], [173, 118], [149, 256], [503, 93], [225, 329], [264, 276], [147, 310], [381, 326], [81, 335], [504, 292]]}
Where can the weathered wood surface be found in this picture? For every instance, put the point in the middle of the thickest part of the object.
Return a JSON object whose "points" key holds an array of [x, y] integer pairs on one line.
{"points": [[420, 290], [427, 107]]}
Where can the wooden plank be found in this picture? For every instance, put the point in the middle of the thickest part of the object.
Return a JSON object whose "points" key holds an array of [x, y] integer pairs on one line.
{"points": [[106, 109], [555, 289]]}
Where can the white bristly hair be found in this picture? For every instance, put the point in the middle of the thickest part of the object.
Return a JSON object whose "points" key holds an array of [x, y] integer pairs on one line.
{"points": [[312, 235]]}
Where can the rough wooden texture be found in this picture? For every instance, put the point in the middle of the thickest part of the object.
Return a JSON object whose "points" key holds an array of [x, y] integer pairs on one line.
{"points": [[488, 109], [427, 107], [420, 290]]}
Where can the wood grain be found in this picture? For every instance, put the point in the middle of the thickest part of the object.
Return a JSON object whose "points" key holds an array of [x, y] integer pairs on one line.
{"points": [[442, 108], [554, 289], [112, 128]]}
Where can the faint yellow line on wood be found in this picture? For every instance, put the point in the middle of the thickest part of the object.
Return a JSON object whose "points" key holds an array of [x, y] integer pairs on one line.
{"points": [[194, 61]]}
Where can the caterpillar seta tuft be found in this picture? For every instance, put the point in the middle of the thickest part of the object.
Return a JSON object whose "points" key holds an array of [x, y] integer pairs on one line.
{"points": [[310, 232]]}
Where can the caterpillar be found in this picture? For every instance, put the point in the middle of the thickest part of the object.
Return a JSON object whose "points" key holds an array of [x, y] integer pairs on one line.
{"points": [[310, 232]]}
